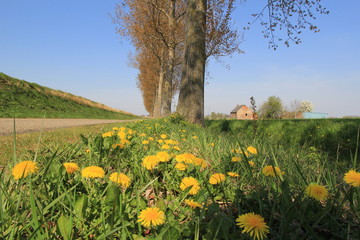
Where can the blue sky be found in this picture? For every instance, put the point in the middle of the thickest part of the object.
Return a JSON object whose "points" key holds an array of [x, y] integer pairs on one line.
{"points": [[72, 46]]}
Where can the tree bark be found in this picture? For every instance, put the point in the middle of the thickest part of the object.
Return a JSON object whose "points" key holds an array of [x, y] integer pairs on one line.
{"points": [[168, 83], [159, 96], [191, 96]]}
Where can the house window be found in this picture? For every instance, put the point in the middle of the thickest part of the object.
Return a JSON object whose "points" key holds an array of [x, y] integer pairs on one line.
{"points": [[245, 114]]}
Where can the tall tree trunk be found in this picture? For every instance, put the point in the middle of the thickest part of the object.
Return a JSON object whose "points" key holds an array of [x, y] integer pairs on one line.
{"points": [[168, 83], [159, 96], [191, 96]]}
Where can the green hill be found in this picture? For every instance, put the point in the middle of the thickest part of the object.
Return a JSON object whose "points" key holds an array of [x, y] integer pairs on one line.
{"points": [[29, 100]]}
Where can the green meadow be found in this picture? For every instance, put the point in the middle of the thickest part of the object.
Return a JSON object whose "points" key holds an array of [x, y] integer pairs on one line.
{"points": [[167, 179]]}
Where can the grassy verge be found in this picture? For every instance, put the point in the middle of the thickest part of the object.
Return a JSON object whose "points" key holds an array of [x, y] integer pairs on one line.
{"points": [[166, 179], [28, 144]]}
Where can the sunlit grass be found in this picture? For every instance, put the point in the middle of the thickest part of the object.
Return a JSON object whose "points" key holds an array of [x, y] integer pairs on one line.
{"points": [[126, 183], [29, 143]]}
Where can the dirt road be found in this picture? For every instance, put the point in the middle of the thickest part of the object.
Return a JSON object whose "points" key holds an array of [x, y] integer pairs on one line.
{"points": [[24, 125]]}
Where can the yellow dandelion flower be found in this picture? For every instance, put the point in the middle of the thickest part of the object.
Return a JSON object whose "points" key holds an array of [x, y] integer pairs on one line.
{"points": [[150, 162], [145, 142], [150, 217], [93, 172], [251, 150], [181, 166], [24, 168], [352, 178], [124, 141], [195, 137], [87, 150], [272, 171], [217, 178], [163, 136], [232, 174], [115, 128], [254, 225], [200, 162], [190, 182], [151, 139], [236, 159], [160, 141], [119, 145], [186, 158], [235, 150], [316, 191], [212, 144], [107, 134], [121, 179], [251, 163], [193, 204], [163, 156], [121, 135], [165, 146], [176, 148], [142, 135], [171, 142], [71, 167]]}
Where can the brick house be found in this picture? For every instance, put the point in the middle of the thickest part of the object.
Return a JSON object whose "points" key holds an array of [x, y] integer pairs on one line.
{"points": [[242, 112]]}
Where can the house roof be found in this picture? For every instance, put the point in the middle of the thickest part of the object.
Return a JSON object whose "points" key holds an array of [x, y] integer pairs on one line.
{"points": [[237, 108]]}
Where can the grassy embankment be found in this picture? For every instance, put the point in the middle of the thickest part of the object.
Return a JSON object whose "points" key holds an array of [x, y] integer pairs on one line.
{"points": [[22, 99], [52, 203]]}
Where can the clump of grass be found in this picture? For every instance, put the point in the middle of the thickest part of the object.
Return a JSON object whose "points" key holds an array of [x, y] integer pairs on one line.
{"points": [[198, 199]]}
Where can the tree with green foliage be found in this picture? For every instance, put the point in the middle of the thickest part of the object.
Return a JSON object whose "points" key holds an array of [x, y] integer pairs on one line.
{"points": [[271, 109]]}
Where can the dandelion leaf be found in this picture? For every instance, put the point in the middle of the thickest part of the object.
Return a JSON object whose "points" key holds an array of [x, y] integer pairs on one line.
{"points": [[81, 205], [168, 232], [112, 196], [64, 226]]}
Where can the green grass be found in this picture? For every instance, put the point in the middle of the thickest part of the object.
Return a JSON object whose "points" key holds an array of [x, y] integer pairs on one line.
{"points": [[333, 136], [53, 204], [27, 144], [22, 99]]}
